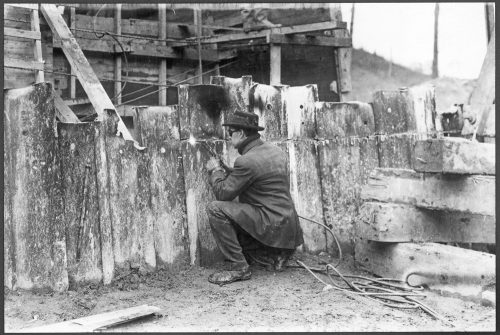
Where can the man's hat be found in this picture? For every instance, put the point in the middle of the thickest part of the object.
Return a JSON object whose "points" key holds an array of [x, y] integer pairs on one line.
{"points": [[243, 120]]}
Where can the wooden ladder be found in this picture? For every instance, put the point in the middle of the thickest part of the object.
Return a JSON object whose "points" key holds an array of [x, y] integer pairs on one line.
{"points": [[34, 34]]}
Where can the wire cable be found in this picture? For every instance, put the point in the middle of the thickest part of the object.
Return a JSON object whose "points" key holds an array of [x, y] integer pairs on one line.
{"points": [[381, 290], [331, 232], [177, 83]]}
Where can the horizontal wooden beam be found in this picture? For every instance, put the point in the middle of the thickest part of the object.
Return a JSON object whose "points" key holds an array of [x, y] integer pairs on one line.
{"points": [[389, 222], [30, 34], [151, 49], [135, 26], [78, 101], [23, 5], [304, 28], [426, 263], [471, 194], [454, 155], [300, 39], [23, 64]]}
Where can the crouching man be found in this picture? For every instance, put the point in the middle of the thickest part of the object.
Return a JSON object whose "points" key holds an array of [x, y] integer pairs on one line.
{"points": [[263, 226]]}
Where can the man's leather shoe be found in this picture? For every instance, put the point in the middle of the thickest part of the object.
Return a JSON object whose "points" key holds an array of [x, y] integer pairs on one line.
{"points": [[229, 276]]}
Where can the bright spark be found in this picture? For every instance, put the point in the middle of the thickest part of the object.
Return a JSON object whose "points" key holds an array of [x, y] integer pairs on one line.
{"points": [[192, 140]]}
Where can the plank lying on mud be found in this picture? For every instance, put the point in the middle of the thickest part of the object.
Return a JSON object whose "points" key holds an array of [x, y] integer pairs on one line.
{"points": [[426, 263], [98, 321], [471, 194], [454, 155], [388, 222]]}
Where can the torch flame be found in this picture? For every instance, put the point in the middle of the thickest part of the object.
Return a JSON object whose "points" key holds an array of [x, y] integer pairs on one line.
{"points": [[192, 140]]}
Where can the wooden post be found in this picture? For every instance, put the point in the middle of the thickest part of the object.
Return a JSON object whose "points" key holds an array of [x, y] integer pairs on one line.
{"points": [[162, 34], [435, 72], [342, 57], [352, 20], [197, 22], [490, 20], [72, 86], [35, 25], [118, 58], [274, 62]]}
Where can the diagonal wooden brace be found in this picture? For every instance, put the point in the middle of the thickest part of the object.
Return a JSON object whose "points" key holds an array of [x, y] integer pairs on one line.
{"points": [[84, 72]]}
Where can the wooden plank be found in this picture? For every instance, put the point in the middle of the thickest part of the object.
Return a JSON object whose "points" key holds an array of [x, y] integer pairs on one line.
{"points": [[137, 26], [35, 26], [299, 39], [158, 127], [63, 112], [103, 189], [29, 34], [151, 49], [454, 155], [72, 85], [490, 20], [236, 90], [484, 92], [79, 101], [118, 58], [81, 210], [200, 108], [23, 64], [91, 84], [342, 56], [388, 222], [300, 111], [198, 22], [470, 194], [236, 95], [486, 127], [98, 321], [269, 103], [23, 5], [275, 64], [162, 34], [199, 118], [319, 26], [346, 157], [131, 215], [35, 194], [305, 189], [426, 263], [395, 122], [424, 106]]}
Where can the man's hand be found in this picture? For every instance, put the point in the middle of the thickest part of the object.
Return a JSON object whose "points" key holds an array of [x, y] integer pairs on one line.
{"points": [[212, 164]]}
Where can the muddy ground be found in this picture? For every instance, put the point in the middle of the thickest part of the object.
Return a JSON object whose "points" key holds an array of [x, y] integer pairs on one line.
{"points": [[292, 300]]}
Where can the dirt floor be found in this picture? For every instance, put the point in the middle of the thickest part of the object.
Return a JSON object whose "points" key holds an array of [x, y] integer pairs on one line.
{"points": [[292, 300]]}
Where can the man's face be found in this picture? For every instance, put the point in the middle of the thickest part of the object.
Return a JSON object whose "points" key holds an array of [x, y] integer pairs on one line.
{"points": [[237, 136]]}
